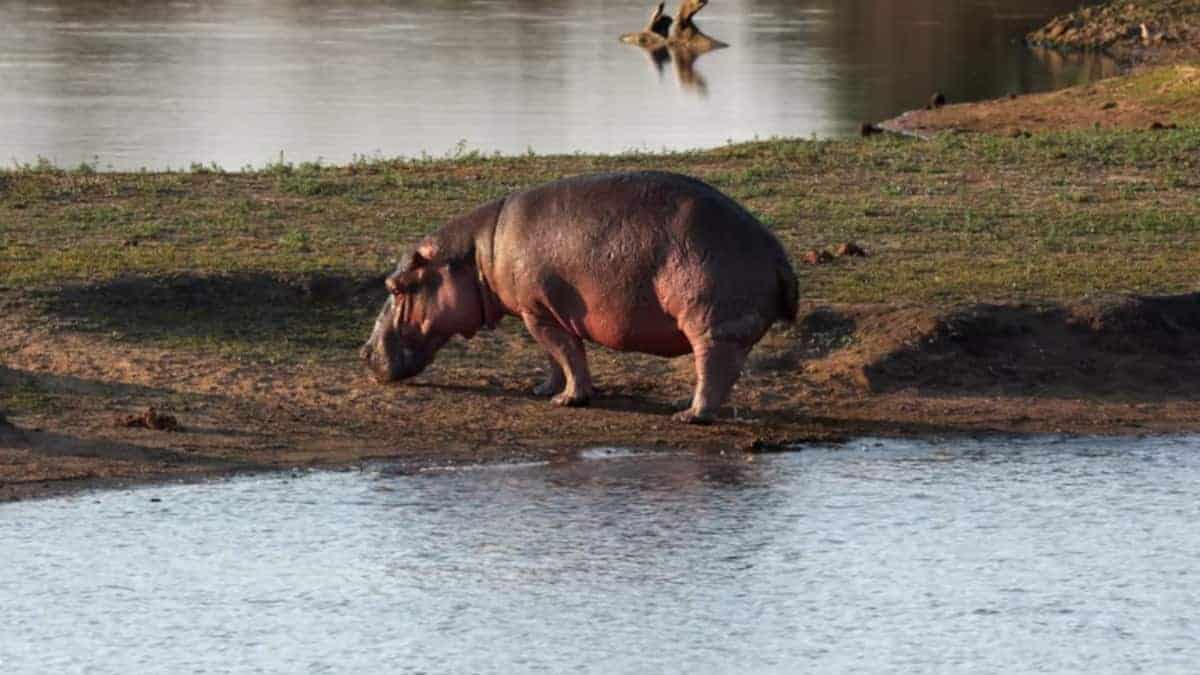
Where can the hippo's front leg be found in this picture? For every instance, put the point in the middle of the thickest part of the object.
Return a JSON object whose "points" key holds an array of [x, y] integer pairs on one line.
{"points": [[566, 350], [554, 382]]}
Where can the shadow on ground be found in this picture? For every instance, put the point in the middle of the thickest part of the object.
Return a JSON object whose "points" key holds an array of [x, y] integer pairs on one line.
{"points": [[1125, 348], [32, 387], [1117, 348], [320, 311]]}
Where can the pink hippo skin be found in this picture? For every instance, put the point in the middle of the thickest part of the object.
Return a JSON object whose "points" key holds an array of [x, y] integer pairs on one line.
{"points": [[648, 262]]}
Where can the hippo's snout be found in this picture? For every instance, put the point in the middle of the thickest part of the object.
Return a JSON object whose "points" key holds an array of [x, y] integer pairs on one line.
{"points": [[377, 362], [392, 365]]}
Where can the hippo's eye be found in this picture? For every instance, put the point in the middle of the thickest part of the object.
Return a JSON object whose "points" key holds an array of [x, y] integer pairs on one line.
{"points": [[397, 286]]}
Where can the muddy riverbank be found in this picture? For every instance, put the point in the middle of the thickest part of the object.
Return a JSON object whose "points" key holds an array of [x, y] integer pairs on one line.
{"points": [[1114, 365]]}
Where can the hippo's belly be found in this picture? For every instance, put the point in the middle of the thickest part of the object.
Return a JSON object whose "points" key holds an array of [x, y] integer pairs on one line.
{"points": [[649, 331]]}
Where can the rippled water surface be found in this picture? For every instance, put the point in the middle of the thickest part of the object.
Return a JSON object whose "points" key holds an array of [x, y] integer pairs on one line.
{"points": [[1042, 555], [128, 84]]}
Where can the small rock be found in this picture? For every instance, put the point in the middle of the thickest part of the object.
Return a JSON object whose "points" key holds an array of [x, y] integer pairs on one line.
{"points": [[815, 257], [763, 445], [850, 249], [151, 419], [767, 445]]}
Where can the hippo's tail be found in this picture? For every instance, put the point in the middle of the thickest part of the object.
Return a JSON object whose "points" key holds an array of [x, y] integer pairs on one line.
{"points": [[789, 291]]}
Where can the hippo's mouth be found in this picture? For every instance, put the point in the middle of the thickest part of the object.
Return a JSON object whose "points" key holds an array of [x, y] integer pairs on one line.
{"points": [[393, 365]]}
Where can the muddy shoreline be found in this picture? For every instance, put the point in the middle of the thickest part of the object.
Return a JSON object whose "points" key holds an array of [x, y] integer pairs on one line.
{"points": [[1107, 365]]}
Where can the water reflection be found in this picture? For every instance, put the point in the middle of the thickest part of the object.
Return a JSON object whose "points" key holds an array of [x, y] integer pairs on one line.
{"points": [[239, 81], [1067, 69], [678, 40], [676, 474], [683, 59], [603, 469]]}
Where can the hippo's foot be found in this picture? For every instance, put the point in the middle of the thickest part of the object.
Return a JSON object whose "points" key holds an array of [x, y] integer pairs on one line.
{"points": [[690, 416], [555, 381], [548, 388], [576, 399]]}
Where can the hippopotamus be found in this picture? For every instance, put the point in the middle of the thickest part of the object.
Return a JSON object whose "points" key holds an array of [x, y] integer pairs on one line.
{"points": [[650, 262]]}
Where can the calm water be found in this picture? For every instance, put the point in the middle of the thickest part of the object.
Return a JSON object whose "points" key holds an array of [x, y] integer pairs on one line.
{"points": [[1040, 555], [132, 84]]}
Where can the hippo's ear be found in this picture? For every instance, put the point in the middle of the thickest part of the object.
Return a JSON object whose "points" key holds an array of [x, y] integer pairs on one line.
{"points": [[427, 250]]}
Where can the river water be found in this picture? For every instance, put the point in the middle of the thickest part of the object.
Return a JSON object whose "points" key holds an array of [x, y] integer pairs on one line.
{"points": [[986, 556], [126, 84]]}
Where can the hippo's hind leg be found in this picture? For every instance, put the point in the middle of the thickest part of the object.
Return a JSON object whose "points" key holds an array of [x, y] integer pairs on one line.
{"points": [[566, 351], [719, 356], [718, 366]]}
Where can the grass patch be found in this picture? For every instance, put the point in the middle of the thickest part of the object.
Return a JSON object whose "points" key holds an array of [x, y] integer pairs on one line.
{"points": [[957, 219]]}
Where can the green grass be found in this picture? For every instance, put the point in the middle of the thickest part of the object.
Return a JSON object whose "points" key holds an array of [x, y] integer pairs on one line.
{"points": [[958, 219]]}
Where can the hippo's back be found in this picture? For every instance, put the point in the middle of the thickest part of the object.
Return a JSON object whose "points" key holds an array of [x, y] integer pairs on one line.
{"points": [[645, 201], [643, 245]]}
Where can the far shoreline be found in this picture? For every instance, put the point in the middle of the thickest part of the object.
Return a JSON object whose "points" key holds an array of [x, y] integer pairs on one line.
{"points": [[1156, 45]]}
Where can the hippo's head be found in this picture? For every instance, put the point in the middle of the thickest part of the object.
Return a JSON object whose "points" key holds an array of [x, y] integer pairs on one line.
{"points": [[430, 303]]}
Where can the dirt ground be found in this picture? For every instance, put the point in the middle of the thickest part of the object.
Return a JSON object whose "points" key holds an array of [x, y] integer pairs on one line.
{"points": [[1123, 365]]}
